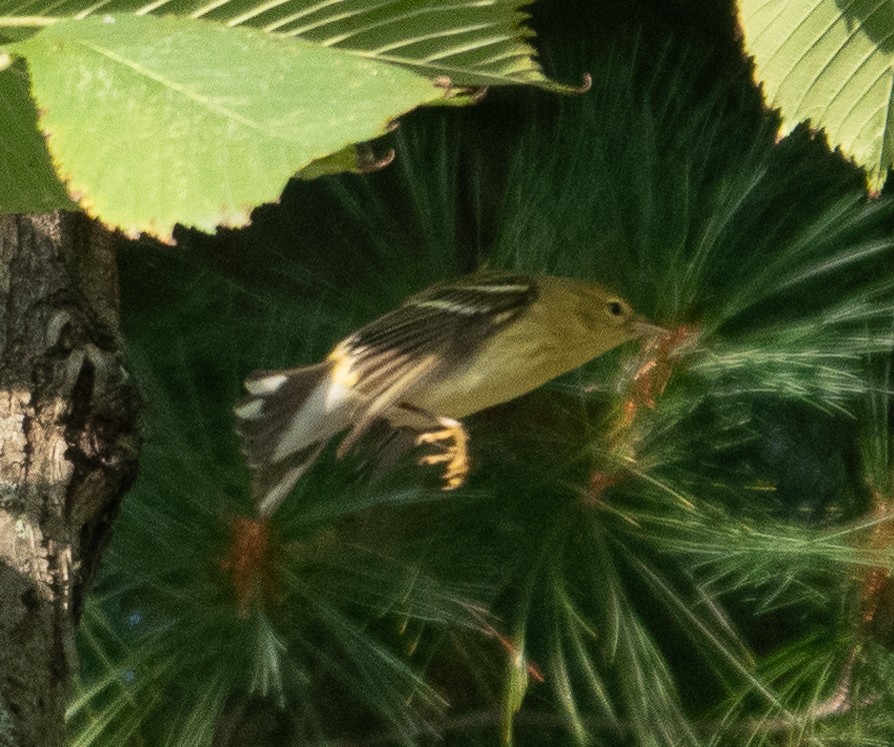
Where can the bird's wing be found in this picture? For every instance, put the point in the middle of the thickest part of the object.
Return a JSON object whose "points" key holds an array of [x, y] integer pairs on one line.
{"points": [[428, 336]]}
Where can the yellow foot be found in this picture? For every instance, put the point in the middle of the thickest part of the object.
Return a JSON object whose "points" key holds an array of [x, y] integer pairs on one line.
{"points": [[453, 441]]}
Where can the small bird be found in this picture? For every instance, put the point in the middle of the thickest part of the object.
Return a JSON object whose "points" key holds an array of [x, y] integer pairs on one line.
{"points": [[454, 349]]}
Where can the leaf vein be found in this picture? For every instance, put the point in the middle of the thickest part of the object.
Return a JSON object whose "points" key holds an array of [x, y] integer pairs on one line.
{"points": [[179, 88]]}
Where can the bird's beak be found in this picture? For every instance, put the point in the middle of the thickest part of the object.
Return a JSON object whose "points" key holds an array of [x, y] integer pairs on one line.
{"points": [[642, 327]]}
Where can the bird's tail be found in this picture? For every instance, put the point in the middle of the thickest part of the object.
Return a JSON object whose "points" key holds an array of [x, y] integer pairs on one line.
{"points": [[285, 421]]}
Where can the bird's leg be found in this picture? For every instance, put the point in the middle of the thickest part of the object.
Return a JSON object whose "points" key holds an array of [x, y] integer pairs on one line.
{"points": [[448, 435], [453, 441]]}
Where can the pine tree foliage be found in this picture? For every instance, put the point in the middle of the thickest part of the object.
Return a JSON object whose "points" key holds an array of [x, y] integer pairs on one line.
{"points": [[686, 542]]}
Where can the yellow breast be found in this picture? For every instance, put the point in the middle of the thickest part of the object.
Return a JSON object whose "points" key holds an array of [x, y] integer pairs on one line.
{"points": [[512, 364]]}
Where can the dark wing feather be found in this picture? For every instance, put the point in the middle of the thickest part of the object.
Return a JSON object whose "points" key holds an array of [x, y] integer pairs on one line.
{"points": [[450, 319], [429, 335]]}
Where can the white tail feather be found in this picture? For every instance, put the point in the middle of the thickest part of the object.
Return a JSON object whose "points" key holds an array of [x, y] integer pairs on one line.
{"points": [[285, 422]]}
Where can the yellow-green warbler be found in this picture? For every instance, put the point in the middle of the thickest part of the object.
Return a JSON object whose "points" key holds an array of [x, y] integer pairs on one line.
{"points": [[449, 351]]}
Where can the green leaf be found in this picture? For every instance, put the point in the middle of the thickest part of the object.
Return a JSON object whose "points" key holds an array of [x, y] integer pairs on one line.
{"points": [[831, 64], [516, 688], [357, 159], [471, 42], [157, 121], [27, 180]]}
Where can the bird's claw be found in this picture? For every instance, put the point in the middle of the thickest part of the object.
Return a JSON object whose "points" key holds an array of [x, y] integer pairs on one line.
{"points": [[453, 441]]}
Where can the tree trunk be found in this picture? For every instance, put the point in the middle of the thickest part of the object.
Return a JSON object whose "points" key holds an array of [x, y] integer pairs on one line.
{"points": [[68, 450]]}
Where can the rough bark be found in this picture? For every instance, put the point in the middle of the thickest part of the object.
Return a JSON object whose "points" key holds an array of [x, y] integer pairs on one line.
{"points": [[68, 449]]}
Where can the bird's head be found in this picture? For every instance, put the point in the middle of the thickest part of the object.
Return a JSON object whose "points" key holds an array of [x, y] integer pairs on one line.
{"points": [[604, 316]]}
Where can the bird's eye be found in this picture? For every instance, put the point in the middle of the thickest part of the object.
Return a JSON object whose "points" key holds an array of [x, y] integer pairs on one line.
{"points": [[615, 308]]}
